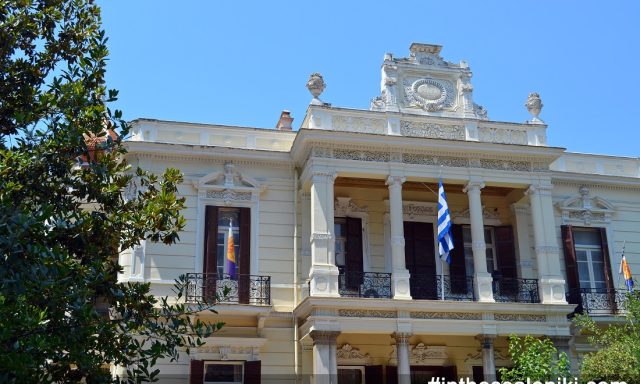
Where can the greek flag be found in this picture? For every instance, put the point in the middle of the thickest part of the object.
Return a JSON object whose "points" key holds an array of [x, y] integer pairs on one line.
{"points": [[445, 241]]}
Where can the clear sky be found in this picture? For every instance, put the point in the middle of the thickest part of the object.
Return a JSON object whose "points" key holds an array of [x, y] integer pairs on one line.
{"points": [[242, 63]]}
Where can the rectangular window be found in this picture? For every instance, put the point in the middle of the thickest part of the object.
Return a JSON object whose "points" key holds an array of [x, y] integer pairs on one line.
{"points": [[223, 372], [589, 258], [351, 375], [228, 260], [489, 239]]}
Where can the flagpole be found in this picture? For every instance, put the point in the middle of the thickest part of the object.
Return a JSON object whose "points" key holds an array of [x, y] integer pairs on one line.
{"points": [[624, 243], [442, 280]]}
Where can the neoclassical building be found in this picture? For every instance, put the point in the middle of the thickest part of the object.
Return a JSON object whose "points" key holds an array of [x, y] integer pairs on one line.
{"points": [[337, 276]]}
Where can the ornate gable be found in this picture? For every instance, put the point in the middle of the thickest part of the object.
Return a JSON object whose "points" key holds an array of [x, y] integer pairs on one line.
{"points": [[585, 209], [229, 186]]}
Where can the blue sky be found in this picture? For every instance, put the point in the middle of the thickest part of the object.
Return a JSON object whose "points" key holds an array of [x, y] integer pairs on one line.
{"points": [[241, 63]]}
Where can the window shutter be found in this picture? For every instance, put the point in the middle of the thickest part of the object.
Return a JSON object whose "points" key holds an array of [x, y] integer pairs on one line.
{"points": [[211, 240], [458, 266], [210, 266], [373, 374], [571, 264], [392, 374], [353, 259], [607, 270], [252, 372], [244, 257], [506, 252], [196, 372]]}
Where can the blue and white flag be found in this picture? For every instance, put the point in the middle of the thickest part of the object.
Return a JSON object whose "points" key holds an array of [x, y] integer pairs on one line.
{"points": [[445, 240]]}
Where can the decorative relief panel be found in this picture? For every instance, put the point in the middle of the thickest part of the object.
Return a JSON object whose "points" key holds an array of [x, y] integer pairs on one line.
{"points": [[359, 124], [519, 317], [502, 135], [446, 315], [422, 159], [346, 154], [413, 210], [229, 195], [348, 355], [366, 313], [343, 206], [421, 354], [429, 94], [432, 130], [507, 165]]}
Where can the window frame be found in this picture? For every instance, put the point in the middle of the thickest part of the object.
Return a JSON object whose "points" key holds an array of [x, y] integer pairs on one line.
{"points": [[218, 362]]}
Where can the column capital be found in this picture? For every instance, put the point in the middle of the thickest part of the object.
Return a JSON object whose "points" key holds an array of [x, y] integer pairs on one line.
{"points": [[473, 186], [324, 337], [402, 337], [323, 176], [486, 341], [539, 189], [393, 181]]}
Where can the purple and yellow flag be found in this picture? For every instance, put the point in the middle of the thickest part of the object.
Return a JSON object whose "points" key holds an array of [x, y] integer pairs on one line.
{"points": [[230, 259]]}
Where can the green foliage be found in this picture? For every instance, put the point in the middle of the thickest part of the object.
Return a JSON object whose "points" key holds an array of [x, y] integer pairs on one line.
{"points": [[63, 218], [617, 356], [535, 359]]}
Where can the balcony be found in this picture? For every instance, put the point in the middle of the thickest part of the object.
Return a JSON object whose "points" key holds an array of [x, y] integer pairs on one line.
{"points": [[430, 287], [222, 289], [598, 301], [364, 284], [509, 290]]}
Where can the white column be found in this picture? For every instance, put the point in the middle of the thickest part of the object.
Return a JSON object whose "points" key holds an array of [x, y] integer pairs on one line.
{"points": [[482, 278], [325, 367], [550, 281], [323, 273], [488, 357], [402, 355], [399, 272]]}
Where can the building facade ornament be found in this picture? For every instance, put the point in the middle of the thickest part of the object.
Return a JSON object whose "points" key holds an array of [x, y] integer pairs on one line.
{"points": [[367, 313], [534, 106], [432, 130], [585, 209], [316, 86], [344, 206], [359, 124], [348, 355], [520, 317], [446, 315]]}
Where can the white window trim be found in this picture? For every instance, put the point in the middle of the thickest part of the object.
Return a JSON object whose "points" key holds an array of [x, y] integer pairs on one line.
{"points": [[228, 189]]}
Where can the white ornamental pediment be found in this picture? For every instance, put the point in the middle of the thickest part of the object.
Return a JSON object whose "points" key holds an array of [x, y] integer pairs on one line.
{"points": [[488, 214], [229, 185], [586, 209]]}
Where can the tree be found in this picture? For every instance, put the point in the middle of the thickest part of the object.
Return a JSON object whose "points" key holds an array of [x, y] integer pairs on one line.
{"points": [[535, 359], [617, 356], [63, 215]]}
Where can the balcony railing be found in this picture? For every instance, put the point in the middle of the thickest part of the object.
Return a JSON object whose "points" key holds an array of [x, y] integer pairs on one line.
{"points": [[598, 301], [364, 284], [509, 290], [430, 287], [221, 288]]}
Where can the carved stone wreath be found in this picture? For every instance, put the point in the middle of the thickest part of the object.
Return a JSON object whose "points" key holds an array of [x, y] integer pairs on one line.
{"points": [[429, 94]]}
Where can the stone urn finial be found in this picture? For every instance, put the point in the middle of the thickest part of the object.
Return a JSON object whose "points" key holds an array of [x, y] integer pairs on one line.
{"points": [[534, 106], [316, 85]]}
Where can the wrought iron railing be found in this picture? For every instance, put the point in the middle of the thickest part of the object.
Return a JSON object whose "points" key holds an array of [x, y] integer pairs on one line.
{"points": [[437, 287], [512, 290], [364, 284], [598, 301], [221, 288]]}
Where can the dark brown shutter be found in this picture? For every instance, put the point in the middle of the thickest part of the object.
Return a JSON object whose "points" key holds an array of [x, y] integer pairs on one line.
{"points": [[458, 266], [373, 374], [478, 373], [252, 372], [353, 259], [571, 264], [607, 270], [391, 372], [506, 252], [210, 267], [196, 372], [244, 256], [211, 240]]}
